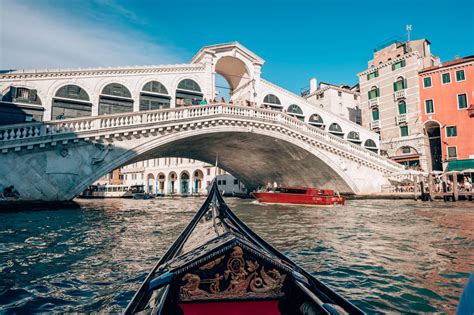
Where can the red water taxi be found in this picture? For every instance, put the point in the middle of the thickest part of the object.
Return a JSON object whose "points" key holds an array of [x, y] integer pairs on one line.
{"points": [[300, 195]]}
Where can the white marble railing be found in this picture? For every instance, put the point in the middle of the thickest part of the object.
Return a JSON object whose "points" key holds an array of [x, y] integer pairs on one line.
{"points": [[102, 123]]}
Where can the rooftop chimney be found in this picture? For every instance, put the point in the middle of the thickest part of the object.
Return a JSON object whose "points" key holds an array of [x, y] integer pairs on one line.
{"points": [[313, 85], [457, 57]]}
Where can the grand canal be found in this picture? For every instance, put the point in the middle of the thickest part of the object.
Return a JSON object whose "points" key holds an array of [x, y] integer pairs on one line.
{"points": [[383, 255]]}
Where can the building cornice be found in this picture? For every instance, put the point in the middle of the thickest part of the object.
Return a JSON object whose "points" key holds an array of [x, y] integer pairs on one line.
{"points": [[337, 88], [60, 73], [389, 63], [446, 68]]}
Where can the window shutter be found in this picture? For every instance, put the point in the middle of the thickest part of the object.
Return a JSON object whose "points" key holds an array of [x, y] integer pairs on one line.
{"points": [[32, 95], [394, 86], [12, 93], [378, 92], [376, 73], [393, 66], [403, 63], [405, 85], [368, 76]]}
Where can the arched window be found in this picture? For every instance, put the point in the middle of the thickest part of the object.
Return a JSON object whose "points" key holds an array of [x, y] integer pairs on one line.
{"points": [[188, 93], [154, 95], [71, 101], [336, 130], [402, 108], [295, 111], [115, 98], [20, 111], [273, 102], [316, 121], [369, 144], [400, 84], [374, 92], [354, 137]]}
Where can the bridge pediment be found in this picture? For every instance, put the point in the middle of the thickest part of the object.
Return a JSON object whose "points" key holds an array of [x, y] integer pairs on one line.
{"points": [[234, 49]]}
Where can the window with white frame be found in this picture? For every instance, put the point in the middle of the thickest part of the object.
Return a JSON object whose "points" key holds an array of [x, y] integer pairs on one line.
{"points": [[429, 107], [462, 101], [460, 75], [446, 78], [451, 131], [427, 82], [452, 152]]}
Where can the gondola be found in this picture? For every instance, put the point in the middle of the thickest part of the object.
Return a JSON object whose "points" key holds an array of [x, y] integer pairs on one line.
{"points": [[220, 266]]}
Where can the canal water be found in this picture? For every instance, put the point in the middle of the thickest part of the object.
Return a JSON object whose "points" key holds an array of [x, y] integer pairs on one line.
{"points": [[384, 255]]}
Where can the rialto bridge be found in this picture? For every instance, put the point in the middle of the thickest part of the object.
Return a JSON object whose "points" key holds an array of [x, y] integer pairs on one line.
{"points": [[84, 123]]}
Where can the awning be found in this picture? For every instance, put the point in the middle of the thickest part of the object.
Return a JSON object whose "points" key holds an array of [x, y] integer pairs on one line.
{"points": [[460, 165], [406, 158]]}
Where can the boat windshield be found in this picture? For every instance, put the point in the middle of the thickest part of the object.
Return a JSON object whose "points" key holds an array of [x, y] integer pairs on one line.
{"points": [[293, 191]]}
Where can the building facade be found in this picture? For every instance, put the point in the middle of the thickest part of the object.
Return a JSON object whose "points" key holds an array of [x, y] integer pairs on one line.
{"points": [[390, 100], [178, 176], [341, 100], [447, 98]]}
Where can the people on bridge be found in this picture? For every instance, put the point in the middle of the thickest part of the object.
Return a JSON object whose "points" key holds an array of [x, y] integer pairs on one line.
{"points": [[195, 101], [222, 99], [204, 101]]}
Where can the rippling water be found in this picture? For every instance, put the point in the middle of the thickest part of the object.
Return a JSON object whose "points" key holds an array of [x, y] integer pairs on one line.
{"points": [[382, 255]]}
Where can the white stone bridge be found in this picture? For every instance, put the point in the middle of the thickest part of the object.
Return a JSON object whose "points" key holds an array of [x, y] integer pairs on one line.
{"points": [[56, 160]]}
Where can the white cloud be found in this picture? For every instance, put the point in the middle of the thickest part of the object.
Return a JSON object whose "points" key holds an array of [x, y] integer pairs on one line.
{"points": [[34, 38]]}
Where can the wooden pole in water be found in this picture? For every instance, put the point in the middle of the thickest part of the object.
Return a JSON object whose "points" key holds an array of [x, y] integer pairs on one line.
{"points": [[455, 186], [415, 181]]}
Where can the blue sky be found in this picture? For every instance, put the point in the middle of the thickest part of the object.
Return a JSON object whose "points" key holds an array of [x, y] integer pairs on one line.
{"points": [[330, 40]]}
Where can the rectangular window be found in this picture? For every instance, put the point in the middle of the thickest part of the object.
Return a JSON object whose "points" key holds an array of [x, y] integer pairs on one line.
{"points": [[402, 108], [462, 101], [451, 131], [224, 182], [452, 153], [429, 107], [398, 65], [373, 75], [218, 182], [446, 78], [375, 115], [399, 85], [427, 82], [339, 93], [404, 131], [355, 97], [208, 171], [460, 76], [236, 181]]}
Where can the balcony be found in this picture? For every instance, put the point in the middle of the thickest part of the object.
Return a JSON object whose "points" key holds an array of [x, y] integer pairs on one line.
{"points": [[375, 125], [401, 119], [373, 102], [399, 95]]}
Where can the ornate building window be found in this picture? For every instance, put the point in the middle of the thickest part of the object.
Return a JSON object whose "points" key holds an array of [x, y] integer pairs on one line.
{"points": [[71, 101], [354, 137], [317, 121], [273, 102], [336, 130], [369, 144], [295, 111], [188, 93], [154, 95], [115, 98]]}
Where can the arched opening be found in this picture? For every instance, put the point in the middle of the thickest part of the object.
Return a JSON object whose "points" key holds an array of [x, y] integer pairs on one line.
{"points": [[232, 80], [317, 121], [115, 98], [150, 183], [161, 183], [184, 183], [370, 145], [336, 130], [407, 156], [354, 137], [296, 111], [198, 178], [154, 95], [272, 102], [374, 92], [71, 101], [433, 132], [20, 105], [188, 93], [172, 177], [399, 84]]}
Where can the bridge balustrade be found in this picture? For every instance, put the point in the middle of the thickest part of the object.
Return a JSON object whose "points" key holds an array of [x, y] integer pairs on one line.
{"points": [[99, 123]]}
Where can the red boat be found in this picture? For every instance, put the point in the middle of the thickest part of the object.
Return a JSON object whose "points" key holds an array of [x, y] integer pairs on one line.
{"points": [[300, 195]]}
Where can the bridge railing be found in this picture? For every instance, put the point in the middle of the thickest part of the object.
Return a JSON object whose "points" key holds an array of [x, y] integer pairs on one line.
{"points": [[99, 123]]}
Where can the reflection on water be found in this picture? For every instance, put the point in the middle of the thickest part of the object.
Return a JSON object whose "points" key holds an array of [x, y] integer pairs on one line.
{"points": [[382, 255]]}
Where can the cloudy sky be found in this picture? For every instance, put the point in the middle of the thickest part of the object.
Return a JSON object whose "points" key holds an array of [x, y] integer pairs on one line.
{"points": [[299, 39]]}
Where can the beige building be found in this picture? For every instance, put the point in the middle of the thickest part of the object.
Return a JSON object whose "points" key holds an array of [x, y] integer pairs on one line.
{"points": [[390, 100]]}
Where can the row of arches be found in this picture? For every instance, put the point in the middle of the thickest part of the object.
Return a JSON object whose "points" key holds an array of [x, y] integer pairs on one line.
{"points": [[72, 101], [272, 101], [183, 184]]}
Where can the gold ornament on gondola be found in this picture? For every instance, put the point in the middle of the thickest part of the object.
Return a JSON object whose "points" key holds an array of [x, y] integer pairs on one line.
{"points": [[243, 278]]}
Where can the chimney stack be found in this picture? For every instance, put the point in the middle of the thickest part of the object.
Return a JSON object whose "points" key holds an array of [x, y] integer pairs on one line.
{"points": [[313, 85], [457, 57]]}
